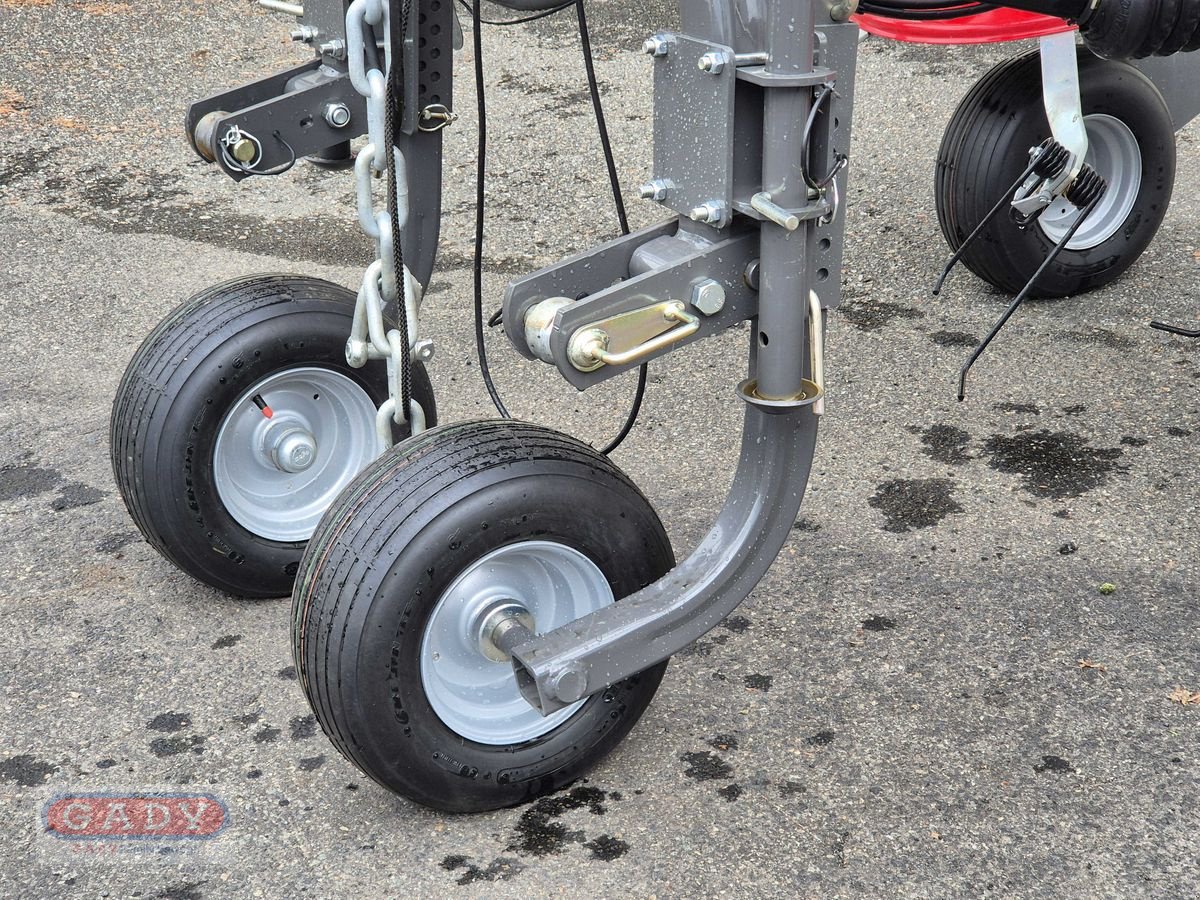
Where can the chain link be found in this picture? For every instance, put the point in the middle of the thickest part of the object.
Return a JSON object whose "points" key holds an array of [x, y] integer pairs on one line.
{"points": [[369, 337]]}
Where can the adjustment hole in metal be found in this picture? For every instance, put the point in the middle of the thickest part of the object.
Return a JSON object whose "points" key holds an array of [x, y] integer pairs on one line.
{"points": [[763, 339]]}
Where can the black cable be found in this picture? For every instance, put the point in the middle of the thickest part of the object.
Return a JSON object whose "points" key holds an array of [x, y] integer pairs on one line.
{"points": [[521, 21], [480, 175], [398, 23], [480, 172], [589, 66], [614, 183]]}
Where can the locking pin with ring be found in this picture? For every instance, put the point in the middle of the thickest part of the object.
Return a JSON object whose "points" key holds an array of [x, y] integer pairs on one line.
{"points": [[439, 115]]}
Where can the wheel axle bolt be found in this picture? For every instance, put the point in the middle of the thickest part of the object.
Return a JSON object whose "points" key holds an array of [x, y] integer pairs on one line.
{"points": [[500, 621], [570, 684]]}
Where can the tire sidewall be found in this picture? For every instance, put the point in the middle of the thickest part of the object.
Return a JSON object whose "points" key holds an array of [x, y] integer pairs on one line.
{"points": [[390, 716], [287, 336]]}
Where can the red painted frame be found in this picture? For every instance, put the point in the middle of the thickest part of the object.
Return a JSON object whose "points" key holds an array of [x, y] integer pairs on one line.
{"points": [[984, 28]]}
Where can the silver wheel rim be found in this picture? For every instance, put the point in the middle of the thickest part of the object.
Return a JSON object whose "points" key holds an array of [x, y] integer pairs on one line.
{"points": [[322, 427], [1114, 153], [477, 697]]}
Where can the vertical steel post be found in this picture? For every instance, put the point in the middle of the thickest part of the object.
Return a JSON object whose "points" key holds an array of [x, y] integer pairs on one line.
{"points": [[783, 268]]}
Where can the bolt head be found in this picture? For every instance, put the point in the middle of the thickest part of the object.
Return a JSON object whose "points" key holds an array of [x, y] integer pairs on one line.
{"points": [[655, 45], [709, 297], [337, 115], [570, 684]]}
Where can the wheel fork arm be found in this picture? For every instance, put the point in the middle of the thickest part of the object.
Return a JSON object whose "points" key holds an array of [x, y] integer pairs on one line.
{"points": [[585, 656]]}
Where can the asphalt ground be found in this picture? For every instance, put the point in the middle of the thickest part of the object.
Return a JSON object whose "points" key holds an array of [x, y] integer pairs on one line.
{"points": [[927, 696]]}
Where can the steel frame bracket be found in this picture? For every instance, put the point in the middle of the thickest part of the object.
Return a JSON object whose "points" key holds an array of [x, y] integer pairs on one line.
{"points": [[693, 126], [591, 277]]}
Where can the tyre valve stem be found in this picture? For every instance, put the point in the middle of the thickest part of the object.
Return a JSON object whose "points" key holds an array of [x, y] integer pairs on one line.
{"points": [[262, 404]]}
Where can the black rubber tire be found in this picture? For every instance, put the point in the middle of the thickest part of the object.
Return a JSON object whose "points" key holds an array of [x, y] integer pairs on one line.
{"points": [[387, 549], [176, 392], [985, 147]]}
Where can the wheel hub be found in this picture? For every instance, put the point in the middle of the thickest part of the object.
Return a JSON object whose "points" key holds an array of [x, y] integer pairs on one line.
{"points": [[495, 621], [276, 474], [468, 679], [1114, 153], [292, 447]]}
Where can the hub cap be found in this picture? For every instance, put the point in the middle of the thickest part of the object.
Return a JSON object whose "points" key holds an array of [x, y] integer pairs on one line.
{"points": [[472, 691], [1114, 153], [276, 476]]}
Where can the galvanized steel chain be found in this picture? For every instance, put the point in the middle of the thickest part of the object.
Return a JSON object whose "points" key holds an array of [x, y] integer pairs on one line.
{"points": [[369, 337]]}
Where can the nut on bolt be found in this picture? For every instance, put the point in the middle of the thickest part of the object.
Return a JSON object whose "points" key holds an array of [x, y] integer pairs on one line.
{"points": [[709, 297], [336, 49], [713, 61], [423, 350], [337, 115], [710, 212], [654, 190], [655, 45], [305, 34]]}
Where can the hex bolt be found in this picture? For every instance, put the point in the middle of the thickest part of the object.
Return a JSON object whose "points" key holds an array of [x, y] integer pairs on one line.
{"points": [[710, 212], [655, 45], [654, 190], [713, 62], [305, 34], [423, 350], [336, 49], [709, 297], [337, 115]]}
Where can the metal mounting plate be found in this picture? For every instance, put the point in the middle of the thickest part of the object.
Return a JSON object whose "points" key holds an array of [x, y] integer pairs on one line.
{"points": [[693, 125]]}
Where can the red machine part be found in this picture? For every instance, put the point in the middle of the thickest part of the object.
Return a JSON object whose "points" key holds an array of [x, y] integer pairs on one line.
{"points": [[984, 28]]}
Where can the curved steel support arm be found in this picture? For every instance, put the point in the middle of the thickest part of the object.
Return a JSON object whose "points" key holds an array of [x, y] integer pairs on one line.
{"points": [[585, 656]]}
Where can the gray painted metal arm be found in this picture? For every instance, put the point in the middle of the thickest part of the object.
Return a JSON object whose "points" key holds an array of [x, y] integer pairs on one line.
{"points": [[559, 667]]}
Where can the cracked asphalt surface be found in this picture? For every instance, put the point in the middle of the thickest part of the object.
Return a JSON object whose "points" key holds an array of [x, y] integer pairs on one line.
{"points": [[928, 695]]}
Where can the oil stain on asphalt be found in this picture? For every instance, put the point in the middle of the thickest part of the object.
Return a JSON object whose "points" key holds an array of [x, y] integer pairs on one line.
{"points": [[1056, 464], [945, 443], [909, 504]]}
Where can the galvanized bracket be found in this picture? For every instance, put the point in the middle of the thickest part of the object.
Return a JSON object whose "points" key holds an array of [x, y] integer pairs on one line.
{"points": [[693, 126], [289, 123]]}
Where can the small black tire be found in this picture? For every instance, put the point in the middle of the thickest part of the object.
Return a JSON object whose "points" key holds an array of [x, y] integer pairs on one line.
{"points": [[177, 392], [393, 544], [985, 147]]}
